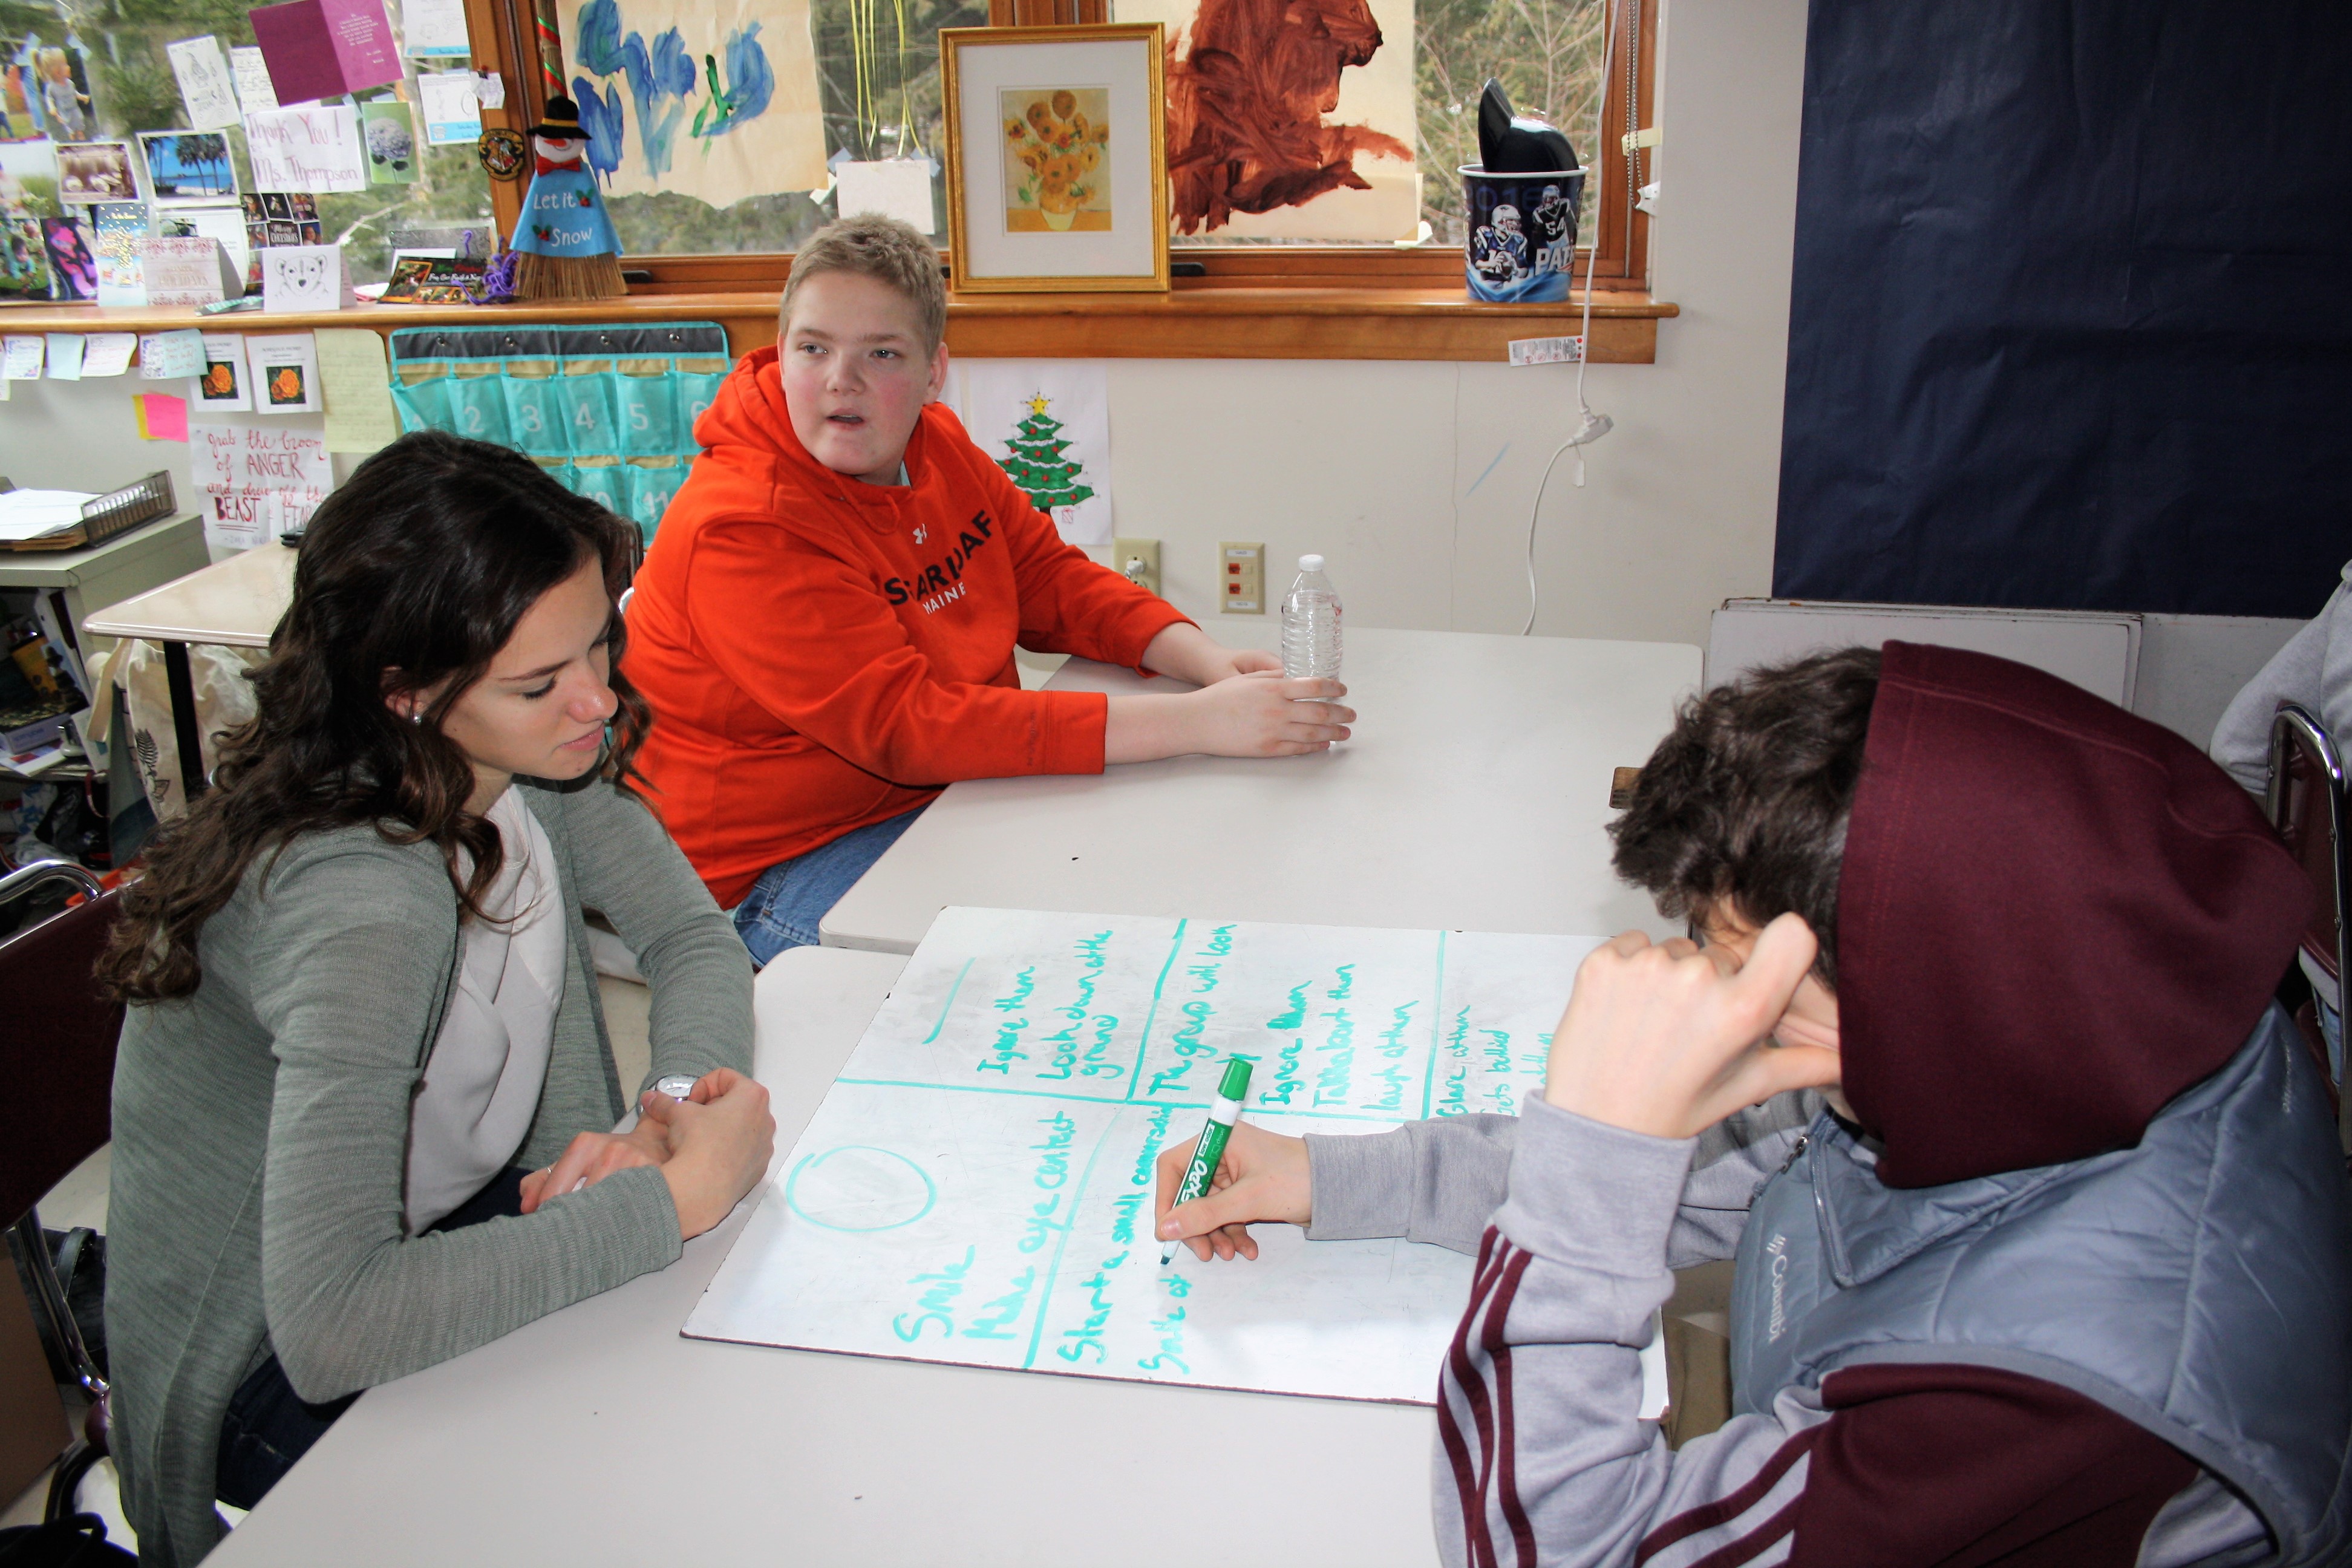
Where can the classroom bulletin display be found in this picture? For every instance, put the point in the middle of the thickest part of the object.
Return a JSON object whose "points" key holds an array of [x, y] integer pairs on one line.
{"points": [[977, 1186]]}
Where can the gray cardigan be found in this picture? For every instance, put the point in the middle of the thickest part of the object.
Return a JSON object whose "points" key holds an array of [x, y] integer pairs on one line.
{"points": [[261, 1124]]}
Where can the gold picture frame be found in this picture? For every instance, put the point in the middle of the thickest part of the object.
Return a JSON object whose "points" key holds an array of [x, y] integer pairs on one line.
{"points": [[1058, 158]]}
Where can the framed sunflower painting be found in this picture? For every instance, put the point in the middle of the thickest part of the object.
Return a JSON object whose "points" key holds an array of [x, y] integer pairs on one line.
{"points": [[1057, 163]]}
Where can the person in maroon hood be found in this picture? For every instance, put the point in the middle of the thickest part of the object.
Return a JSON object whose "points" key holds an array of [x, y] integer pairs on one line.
{"points": [[2060, 1271]]}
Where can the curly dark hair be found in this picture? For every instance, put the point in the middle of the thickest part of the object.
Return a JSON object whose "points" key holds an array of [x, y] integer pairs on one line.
{"points": [[1747, 798], [412, 576]]}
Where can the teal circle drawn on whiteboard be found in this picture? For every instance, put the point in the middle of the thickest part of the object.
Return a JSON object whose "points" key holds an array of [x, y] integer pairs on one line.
{"points": [[872, 1188]]}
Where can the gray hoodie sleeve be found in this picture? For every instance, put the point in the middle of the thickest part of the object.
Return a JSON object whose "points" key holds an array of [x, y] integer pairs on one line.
{"points": [[1440, 1181], [2313, 669]]}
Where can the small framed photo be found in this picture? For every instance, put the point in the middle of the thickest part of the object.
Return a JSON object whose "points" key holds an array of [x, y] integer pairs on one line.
{"points": [[95, 172], [1058, 158]]}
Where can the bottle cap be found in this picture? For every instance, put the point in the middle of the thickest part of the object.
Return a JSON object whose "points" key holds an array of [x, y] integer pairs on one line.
{"points": [[1235, 1083], [1310, 563]]}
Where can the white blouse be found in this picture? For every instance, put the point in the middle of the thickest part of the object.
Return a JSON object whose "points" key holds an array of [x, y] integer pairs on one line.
{"points": [[483, 1079]]}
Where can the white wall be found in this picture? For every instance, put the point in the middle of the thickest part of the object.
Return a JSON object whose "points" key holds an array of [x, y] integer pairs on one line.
{"points": [[1384, 465]]}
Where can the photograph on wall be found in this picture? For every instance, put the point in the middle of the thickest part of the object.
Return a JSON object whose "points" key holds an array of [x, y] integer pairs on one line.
{"points": [[29, 177], [46, 92], [189, 165], [1312, 140], [24, 260], [95, 172], [222, 388], [1055, 170], [389, 129], [715, 99], [71, 258], [1056, 140]]}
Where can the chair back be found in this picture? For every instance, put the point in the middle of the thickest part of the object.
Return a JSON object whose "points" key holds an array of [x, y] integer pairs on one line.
{"points": [[2306, 802], [56, 1045]]}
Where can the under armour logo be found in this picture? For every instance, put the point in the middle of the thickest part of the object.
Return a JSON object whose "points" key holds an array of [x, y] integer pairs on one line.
{"points": [[921, 534]]}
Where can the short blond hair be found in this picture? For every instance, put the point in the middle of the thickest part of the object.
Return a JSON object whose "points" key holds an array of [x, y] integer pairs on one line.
{"points": [[884, 250]]}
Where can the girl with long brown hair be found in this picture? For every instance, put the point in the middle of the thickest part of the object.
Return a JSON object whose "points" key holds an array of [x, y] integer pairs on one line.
{"points": [[366, 1115]]}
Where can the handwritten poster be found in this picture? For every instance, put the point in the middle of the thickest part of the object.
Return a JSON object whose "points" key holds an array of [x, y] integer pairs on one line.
{"points": [[315, 149], [978, 1186], [259, 481], [712, 98]]}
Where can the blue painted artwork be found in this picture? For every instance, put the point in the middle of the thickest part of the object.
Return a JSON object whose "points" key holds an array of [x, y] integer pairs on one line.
{"points": [[660, 78]]}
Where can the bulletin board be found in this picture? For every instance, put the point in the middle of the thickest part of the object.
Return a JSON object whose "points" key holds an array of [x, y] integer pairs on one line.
{"points": [[608, 410]]}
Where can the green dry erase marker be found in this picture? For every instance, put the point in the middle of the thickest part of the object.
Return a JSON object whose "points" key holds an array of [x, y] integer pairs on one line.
{"points": [[1222, 1114]]}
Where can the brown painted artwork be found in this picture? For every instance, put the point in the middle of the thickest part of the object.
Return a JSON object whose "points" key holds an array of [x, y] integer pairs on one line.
{"points": [[1246, 102]]}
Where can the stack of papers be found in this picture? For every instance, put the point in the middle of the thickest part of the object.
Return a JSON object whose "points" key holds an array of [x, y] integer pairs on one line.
{"points": [[30, 514]]}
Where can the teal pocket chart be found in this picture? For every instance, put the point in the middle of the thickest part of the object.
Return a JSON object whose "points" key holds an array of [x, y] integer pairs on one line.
{"points": [[978, 1186]]}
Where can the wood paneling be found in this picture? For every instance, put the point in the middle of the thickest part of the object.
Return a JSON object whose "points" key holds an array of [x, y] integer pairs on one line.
{"points": [[1209, 322]]}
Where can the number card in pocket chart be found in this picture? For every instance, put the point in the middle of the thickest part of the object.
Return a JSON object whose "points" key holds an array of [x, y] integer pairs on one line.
{"points": [[978, 1186], [608, 410]]}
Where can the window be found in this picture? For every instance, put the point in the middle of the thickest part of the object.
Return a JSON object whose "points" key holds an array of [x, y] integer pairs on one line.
{"points": [[114, 51], [877, 76]]}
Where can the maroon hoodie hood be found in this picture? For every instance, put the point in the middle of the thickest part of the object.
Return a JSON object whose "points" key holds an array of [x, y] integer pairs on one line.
{"points": [[2052, 918]]}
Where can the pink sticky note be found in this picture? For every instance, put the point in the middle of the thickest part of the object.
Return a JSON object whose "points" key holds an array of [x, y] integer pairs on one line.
{"points": [[320, 48], [162, 417]]}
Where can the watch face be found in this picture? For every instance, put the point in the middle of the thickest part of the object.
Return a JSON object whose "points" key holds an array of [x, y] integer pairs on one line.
{"points": [[677, 1086]]}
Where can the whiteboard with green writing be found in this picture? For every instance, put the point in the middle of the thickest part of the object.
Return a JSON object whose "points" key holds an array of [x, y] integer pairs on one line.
{"points": [[977, 1187]]}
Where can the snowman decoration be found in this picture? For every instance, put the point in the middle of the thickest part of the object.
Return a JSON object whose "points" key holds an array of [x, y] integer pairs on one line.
{"points": [[564, 243], [1498, 251]]}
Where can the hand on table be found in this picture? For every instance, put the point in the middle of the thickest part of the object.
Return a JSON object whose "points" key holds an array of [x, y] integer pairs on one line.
{"points": [[1668, 1038], [721, 1138], [1262, 1177], [1229, 662], [590, 1158]]}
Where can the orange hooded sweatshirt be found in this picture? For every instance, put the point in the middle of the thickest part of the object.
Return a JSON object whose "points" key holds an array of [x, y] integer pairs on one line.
{"points": [[820, 653]]}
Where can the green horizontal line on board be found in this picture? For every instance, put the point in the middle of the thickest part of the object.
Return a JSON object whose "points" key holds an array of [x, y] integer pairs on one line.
{"points": [[1098, 1100]]}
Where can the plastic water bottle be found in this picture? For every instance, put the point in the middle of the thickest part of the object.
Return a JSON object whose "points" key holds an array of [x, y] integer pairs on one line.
{"points": [[1310, 624]]}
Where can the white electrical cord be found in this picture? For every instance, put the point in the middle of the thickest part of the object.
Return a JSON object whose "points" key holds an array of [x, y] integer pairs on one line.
{"points": [[1592, 426]]}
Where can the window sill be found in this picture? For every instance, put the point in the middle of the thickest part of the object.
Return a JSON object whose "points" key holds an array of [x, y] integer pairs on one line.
{"points": [[1188, 322]]}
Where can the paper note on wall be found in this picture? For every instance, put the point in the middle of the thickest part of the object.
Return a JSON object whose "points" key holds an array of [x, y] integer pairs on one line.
{"points": [[161, 417], [171, 356], [756, 130], [251, 73], [1048, 424], [893, 187], [66, 350], [450, 109], [108, 354], [435, 29], [358, 388], [315, 149], [22, 357], [259, 480], [205, 85], [977, 1187]]}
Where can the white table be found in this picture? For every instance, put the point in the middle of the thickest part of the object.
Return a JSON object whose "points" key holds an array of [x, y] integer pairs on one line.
{"points": [[1473, 797], [598, 1435], [237, 603]]}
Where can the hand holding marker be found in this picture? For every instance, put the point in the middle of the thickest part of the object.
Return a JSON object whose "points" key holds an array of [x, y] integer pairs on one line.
{"points": [[1223, 1113]]}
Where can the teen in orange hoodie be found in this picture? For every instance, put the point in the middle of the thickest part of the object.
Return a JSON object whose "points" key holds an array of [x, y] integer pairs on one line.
{"points": [[825, 626]]}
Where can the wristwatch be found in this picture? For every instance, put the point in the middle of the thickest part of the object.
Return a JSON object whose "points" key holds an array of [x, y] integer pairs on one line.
{"points": [[677, 1086]]}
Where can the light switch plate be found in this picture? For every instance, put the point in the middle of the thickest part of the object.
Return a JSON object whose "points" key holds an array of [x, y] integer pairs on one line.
{"points": [[1241, 578]]}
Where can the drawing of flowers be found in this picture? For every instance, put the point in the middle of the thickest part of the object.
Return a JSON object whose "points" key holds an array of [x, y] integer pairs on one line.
{"points": [[1055, 142]]}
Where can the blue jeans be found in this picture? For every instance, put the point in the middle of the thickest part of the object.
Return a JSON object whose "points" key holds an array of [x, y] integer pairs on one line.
{"points": [[269, 1427], [2331, 1030], [791, 897]]}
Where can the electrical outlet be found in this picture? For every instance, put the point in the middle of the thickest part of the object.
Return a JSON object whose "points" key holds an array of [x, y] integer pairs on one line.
{"points": [[1241, 576], [1138, 560]]}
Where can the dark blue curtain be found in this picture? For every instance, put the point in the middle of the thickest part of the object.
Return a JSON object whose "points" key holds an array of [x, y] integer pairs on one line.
{"points": [[2071, 324]]}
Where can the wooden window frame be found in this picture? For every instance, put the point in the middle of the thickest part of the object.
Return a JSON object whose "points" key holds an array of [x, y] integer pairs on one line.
{"points": [[505, 37]]}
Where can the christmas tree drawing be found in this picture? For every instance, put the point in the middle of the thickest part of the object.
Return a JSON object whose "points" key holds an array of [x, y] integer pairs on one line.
{"points": [[1034, 460]]}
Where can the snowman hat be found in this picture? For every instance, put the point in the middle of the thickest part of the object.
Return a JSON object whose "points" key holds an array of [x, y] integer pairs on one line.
{"points": [[562, 121]]}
